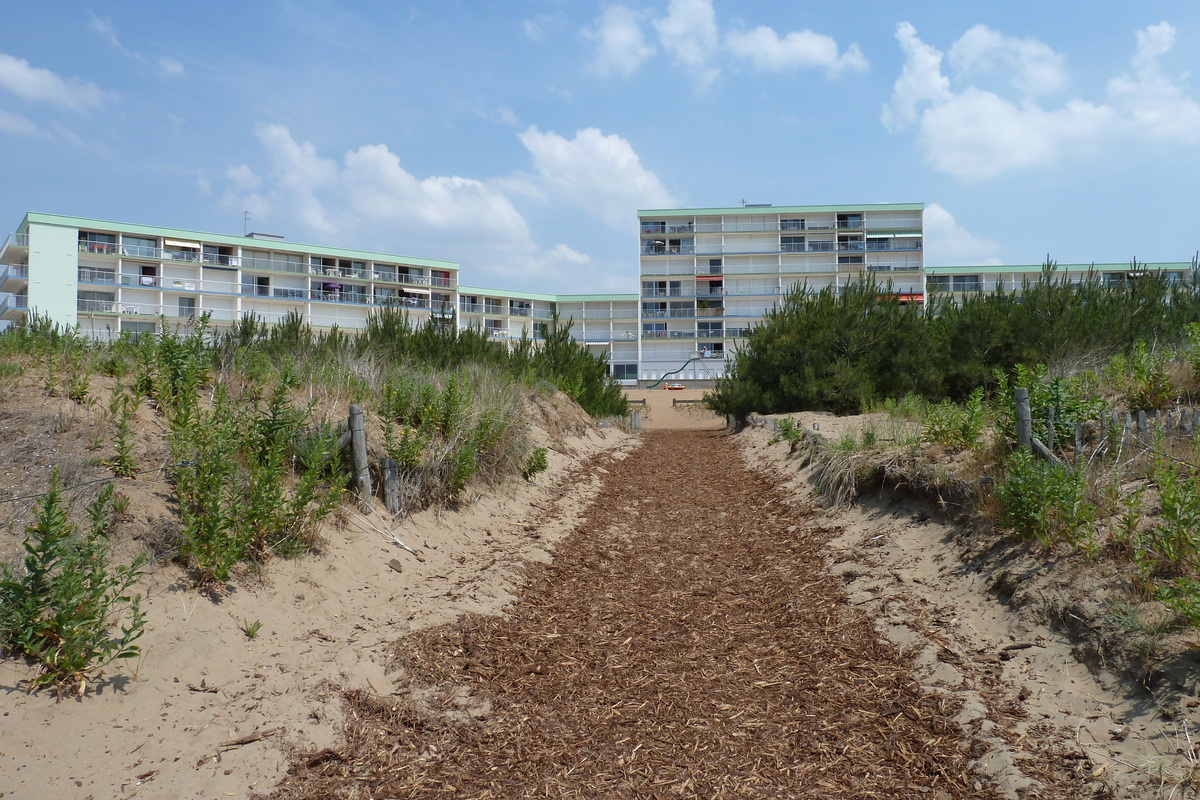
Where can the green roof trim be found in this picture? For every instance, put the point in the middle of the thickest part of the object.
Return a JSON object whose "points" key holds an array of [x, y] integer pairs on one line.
{"points": [[507, 294], [221, 238], [598, 298], [711, 212]]}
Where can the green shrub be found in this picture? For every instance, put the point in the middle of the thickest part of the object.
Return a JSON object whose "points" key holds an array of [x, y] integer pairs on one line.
{"points": [[955, 426], [535, 463], [60, 607], [1045, 501], [1141, 378]]}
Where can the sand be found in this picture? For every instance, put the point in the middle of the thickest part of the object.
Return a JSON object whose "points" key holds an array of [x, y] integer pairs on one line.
{"points": [[166, 724]]}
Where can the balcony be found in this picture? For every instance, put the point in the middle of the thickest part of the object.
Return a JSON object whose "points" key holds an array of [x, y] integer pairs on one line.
{"points": [[15, 242], [98, 248], [668, 335], [669, 250], [677, 292], [886, 245]]}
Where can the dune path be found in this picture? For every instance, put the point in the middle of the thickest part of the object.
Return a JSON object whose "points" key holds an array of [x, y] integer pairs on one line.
{"points": [[686, 640]]}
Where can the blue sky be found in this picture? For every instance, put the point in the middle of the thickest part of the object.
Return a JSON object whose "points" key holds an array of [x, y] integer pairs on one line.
{"points": [[519, 138]]}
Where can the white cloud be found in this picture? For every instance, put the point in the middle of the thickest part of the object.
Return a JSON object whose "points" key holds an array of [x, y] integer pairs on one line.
{"points": [[769, 53], [501, 114], [16, 125], [921, 80], [1154, 105], [43, 86], [243, 178], [954, 244], [620, 45], [539, 27], [168, 67], [600, 174], [689, 34], [1030, 66], [976, 133], [370, 197]]}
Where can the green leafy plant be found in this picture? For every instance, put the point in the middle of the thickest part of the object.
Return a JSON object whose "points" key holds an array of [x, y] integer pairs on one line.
{"points": [[1045, 501], [955, 426], [60, 606], [535, 464], [123, 404], [251, 629]]}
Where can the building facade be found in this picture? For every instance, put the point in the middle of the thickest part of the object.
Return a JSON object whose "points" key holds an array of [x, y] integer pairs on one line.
{"points": [[707, 276]]}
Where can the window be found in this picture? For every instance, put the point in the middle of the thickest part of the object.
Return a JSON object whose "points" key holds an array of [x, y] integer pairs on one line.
{"points": [[139, 247], [623, 372], [519, 308], [97, 275], [654, 309], [654, 288], [966, 283], [213, 254], [939, 283], [709, 329], [257, 259], [849, 220], [714, 266], [256, 284], [850, 259], [101, 302], [654, 227], [99, 243], [791, 224], [187, 307], [791, 244], [385, 272], [654, 330], [136, 328]]}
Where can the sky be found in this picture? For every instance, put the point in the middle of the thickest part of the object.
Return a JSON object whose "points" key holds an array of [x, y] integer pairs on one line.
{"points": [[520, 138]]}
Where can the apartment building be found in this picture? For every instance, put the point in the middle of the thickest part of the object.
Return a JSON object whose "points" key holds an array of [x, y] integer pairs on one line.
{"points": [[708, 275], [109, 277], [958, 281]]}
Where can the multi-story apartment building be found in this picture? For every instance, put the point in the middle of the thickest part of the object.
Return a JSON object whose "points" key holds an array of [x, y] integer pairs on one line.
{"points": [[957, 281], [709, 274], [109, 277]]}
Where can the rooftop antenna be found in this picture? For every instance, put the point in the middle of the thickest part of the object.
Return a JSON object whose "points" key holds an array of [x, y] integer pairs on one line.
{"points": [[743, 202], [245, 222]]}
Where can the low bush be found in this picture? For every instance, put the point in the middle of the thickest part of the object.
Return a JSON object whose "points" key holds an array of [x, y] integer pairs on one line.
{"points": [[1045, 501], [60, 605]]}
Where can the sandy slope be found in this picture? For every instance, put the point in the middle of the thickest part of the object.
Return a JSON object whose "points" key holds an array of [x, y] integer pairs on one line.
{"points": [[161, 726]]}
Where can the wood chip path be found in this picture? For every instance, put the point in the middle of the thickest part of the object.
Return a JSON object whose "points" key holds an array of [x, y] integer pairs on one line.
{"points": [[686, 641]]}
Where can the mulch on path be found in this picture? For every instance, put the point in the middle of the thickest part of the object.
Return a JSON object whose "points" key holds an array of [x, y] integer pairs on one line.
{"points": [[686, 641]]}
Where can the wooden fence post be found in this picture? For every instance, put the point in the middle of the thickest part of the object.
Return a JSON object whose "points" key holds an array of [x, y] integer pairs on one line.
{"points": [[358, 457], [1024, 420], [1142, 438], [391, 485]]}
